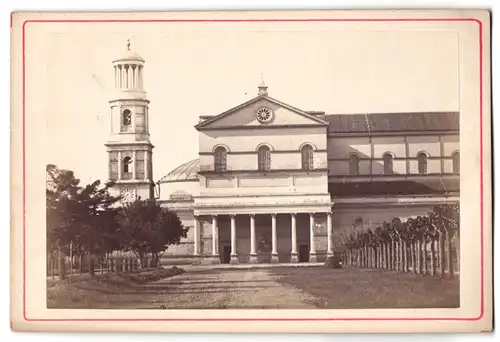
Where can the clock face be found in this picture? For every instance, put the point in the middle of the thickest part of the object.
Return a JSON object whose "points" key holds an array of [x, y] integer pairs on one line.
{"points": [[264, 114], [128, 195]]}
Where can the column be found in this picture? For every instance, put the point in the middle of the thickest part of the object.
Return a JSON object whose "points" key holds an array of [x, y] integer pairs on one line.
{"points": [[119, 75], [129, 76], [134, 163], [294, 256], [196, 238], [215, 240], [234, 255], [274, 253], [125, 76], [312, 248], [139, 73], [329, 228], [253, 252], [119, 164], [134, 76]]}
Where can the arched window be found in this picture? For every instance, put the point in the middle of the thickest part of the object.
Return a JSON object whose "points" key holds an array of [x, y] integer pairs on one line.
{"points": [[307, 158], [422, 163], [264, 158], [220, 159], [127, 168], [456, 162], [388, 164], [126, 117], [126, 164], [353, 165]]}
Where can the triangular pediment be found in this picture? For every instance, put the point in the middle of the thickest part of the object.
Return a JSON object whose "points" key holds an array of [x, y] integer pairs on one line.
{"points": [[245, 115]]}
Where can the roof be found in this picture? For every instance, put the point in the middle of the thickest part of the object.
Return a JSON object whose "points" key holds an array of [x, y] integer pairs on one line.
{"points": [[129, 55], [208, 121], [185, 172], [403, 187], [393, 122]]}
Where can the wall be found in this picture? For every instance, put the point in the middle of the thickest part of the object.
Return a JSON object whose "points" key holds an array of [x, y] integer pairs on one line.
{"points": [[404, 148], [256, 184], [285, 144], [242, 156], [186, 188]]}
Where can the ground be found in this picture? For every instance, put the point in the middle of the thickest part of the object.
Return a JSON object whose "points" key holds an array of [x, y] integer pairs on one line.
{"points": [[270, 288]]}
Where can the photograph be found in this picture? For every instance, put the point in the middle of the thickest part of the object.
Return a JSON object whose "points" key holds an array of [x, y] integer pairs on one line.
{"points": [[272, 165]]}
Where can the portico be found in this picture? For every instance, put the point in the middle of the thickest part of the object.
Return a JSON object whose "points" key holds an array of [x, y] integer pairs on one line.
{"points": [[263, 237]]}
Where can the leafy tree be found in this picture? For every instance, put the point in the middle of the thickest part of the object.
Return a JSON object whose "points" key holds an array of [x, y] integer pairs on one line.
{"points": [[81, 216], [411, 238], [146, 227], [445, 218]]}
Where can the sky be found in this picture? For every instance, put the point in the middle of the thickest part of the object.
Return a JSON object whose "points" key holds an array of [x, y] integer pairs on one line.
{"points": [[205, 69]]}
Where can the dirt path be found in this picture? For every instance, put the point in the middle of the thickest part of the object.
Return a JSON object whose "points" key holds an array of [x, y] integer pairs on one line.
{"points": [[220, 289]]}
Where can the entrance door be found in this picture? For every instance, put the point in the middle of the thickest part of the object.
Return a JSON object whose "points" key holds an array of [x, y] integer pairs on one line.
{"points": [[226, 254], [303, 253]]}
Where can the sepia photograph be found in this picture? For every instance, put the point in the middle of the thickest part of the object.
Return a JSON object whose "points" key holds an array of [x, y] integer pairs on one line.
{"points": [[252, 164]]}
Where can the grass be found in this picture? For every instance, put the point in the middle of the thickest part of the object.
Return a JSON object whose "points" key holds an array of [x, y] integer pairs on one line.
{"points": [[107, 291], [352, 288]]}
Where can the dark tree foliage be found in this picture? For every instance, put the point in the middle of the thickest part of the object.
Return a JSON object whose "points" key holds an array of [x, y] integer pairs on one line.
{"points": [[146, 227], [83, 216], [90, 220], [409, 241]]}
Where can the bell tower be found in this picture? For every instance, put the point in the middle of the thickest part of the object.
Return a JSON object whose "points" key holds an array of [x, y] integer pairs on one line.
{"points": [[130, 152]]}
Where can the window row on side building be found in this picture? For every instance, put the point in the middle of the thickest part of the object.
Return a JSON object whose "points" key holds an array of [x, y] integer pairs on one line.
{"points": [[357, 162]]}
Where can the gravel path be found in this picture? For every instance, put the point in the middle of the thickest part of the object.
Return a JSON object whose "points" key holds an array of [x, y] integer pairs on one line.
{"points": [[228, 289]]}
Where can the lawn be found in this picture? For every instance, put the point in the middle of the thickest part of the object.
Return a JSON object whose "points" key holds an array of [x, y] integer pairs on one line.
{"points": [[107, 291], [352, 288]]}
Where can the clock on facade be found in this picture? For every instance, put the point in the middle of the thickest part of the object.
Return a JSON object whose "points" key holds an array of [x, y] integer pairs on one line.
{"points": [[128, 195], [264, 114]]}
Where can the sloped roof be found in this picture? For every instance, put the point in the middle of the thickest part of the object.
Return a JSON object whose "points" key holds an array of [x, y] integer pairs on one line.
{"points": [[393, 122], [185, 172], [212, 119], [397, 187]]}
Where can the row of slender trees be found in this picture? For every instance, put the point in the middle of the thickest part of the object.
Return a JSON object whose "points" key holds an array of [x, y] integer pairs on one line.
{"points": [[87, 229], [428, 245]]}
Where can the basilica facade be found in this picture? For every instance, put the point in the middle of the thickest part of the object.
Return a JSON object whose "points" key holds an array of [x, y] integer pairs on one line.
{"points": [[275, 183]]}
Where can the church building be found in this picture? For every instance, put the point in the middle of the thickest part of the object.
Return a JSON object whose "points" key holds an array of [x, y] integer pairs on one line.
{"points": [[275, 183]]}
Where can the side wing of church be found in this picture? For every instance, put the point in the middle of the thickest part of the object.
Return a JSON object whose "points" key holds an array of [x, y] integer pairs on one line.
{"points": [[275, 183]]}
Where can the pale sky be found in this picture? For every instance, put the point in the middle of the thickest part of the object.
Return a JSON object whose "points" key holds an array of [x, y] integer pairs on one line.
{"points": [[205, 69]]}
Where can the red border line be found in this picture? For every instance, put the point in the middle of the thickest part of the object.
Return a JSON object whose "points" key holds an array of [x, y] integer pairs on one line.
{"points": [[256, 21]]}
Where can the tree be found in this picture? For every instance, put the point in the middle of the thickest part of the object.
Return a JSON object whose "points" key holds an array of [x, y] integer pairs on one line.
{"points": [[76, 215], [380, 246], [445, 218], [146, 227], [412, 237], [396, 228]]}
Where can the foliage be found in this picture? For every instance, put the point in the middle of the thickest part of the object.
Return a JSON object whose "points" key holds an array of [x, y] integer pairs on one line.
{"points": [[146, 227], [426, 229], [88, 219], [81, 216]]}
